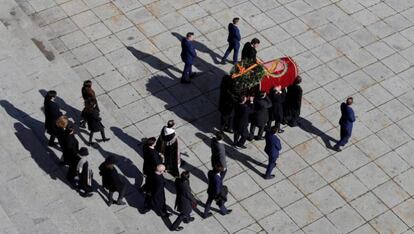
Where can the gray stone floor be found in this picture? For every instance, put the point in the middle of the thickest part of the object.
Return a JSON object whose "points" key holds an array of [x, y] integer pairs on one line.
{"points": [[129, 48]]}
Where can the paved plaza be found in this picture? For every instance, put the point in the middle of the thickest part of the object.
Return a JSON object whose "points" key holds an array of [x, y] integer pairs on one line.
{"points": [[131, 49]]}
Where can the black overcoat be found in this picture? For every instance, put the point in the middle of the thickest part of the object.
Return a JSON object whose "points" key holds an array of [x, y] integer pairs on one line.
{"points": [[111, 180], [226, 101], [185, 198], [94, 121], [52, 113], [156, 187], [241, 117], [293, 102], [249, 52], [151, 159], [276, 111]]}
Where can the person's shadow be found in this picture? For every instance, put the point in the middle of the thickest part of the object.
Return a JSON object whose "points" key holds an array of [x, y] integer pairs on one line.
{"points": [[128, 140], [307, 126], [33, 140], [154, 62]]}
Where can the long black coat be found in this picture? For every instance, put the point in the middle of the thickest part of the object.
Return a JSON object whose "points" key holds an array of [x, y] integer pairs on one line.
{"points": [[276, 111], [248, 52], [241, 117], [68, 143], [52, 113], [261, 111], [168, 146], [293, 102], [151, 159], [94, 121], [226, 101], [185, 198], [111, 180], [156, 188]]}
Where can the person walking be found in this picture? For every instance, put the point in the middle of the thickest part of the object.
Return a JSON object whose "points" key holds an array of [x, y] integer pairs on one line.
{"points": [[249, 51], [157, 192], [94, 120], [216, 191], [184, 202], [87, 93], [167, 145], [277, 96], [260, 116], [218, 153], [188, 55], [111, 180], [52, 113], [234, 41], [152, 158], [67, 140], [226, 104], [272, 149], [293, 103], [241, 121], [346, 123]]}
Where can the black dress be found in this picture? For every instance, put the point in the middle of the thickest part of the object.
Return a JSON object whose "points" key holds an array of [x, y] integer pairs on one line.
{"points": [[168, 146]]}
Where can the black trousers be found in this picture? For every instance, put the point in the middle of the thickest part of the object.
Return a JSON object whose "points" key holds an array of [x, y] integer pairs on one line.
{"points": [[181, 217], [226, 122], [253, 128], [91, 135], [239, 138]]}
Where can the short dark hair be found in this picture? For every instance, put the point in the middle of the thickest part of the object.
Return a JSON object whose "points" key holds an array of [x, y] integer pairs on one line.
{"points": [[255, 41], [189, 34], [298, 80], [219, 135], [170, 123], [235, 20], [87, 83], [349, 100], [274, 129], [185, 174], [150, 141]]}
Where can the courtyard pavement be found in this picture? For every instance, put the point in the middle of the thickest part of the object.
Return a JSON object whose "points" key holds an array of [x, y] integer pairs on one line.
{"points": [[359, 48]]}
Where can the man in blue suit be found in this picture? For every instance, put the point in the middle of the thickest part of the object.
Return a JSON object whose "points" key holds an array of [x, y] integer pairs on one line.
{"points": [[216, 191], [346, 123], [234, 41], [188, 54], [272, 149]]}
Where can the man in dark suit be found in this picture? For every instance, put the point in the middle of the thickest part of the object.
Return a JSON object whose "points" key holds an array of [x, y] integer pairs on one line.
{"points": [[216, 192], [184, 202], [277, 96], [188, 54], [346, 122], [293, 103], [249, 50], [226, 104], [52, 113], [241, 121], [272, 149], [156, 190], [260, 116], [234, 41], [152, 158], [218, 153]]}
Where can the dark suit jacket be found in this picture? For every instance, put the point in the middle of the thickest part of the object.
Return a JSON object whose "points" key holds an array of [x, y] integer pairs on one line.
{"points": [[215, 184], [276, 111], [94, 121], [272, 144], [241, 116], [185, 198], [347, 116], [188, 52], [52, 113], [156, 188], [261, 111], [248, 52], [218, 153], [234, 34], [151, 159]]}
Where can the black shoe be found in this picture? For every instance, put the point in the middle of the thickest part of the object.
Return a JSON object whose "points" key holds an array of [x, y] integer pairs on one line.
{"points": [[242, 146], [51, 143], [191, 219], [106, 139], [179, 228], [269, 177], [228, 212], [185, 81], [208, 215], [337, 148], [193, 75], [223, 62], [280, 131], [258, 138], [120, 203], [250, 138]]}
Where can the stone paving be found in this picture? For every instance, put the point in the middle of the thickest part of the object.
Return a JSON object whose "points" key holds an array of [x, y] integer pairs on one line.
{"points": [[359, 48]]}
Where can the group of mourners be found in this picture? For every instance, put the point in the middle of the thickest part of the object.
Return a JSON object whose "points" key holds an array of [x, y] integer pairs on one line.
{"points": [[267, 112]]}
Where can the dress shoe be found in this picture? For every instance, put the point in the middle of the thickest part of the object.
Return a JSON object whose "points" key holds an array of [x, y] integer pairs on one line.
{"points": [[269, 177], [280, 131], [193, 75], [337, 148], [179, 228], [250, 138], [120, 203], [185, 81], [228, 212], [207, 215], [106, 139], [242, 146], [51, 143], [259, 138]]}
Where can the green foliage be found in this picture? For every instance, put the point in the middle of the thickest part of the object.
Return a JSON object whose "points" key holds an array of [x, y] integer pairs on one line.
{"points": [[249, 79]]}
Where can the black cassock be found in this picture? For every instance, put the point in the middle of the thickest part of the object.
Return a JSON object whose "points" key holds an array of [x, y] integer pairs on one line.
{"points": [[157, 194], [293, 104], [52, 113], [168, 146]]}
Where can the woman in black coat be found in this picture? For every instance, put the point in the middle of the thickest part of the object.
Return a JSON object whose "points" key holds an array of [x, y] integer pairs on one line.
{"points": [[167, 145], [111, 180], [94, 120], [52, 113], [184, 202], [67, 140], [277, 96]]}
